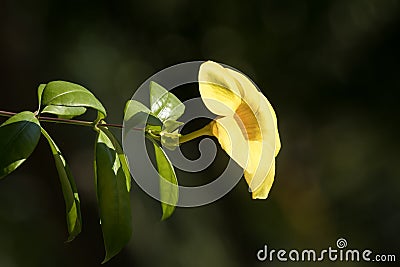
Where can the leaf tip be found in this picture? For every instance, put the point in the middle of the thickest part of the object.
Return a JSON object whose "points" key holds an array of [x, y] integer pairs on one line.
{"points": [[70, 238], [167, 211], [106, 259], [110, 255]]}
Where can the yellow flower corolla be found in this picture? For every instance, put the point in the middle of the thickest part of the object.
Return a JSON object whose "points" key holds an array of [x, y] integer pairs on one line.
{"points": [[246, 126]]}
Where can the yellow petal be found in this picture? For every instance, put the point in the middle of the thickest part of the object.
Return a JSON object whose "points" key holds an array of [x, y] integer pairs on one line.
{"points": [[231, 139], [248, 122], [255, 157], [265, 103], [248, 91], [218, 89], [262, 153], [261, 159], [262, 191]]}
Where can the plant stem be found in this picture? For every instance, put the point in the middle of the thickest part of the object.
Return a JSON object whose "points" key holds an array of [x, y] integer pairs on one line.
{"points": [[65, 121], [7, 113], [206, 130]]}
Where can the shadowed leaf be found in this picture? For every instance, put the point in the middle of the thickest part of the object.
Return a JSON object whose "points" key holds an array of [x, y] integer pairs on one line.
{"points": [[19, 136], [70, 192], [112, 195]]}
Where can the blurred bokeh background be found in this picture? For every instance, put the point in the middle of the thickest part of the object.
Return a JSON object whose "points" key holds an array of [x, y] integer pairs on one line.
{"points": [[330, 68]]}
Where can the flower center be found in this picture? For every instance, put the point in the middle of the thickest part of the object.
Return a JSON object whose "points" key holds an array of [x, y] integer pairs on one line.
{"points": [[248, 123]]}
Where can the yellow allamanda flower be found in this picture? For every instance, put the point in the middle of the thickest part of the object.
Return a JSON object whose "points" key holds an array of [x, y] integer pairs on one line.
{"points": [[246, 126]]}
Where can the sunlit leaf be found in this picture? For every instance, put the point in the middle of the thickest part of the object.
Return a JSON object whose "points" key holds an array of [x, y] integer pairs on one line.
{"points": [[19, 136], [112, 196], [164, 105], [70, 192], [64, 112], [168, 183], [171, 125], [121, 155], [138, 115], [133, 108], [40, 92], [61, 93]]}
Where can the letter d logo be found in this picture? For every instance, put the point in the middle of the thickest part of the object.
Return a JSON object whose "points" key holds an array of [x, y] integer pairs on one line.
{"points": [[262, 254]]}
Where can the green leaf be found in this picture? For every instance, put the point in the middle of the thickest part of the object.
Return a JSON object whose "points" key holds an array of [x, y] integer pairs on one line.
{"points": [[137, 114], [19, 136], [171, 125], [168, 183], [40, 93], [61, 93], [70, 192], [133, 108], [112, 196], [64, 112], [121, 155], [164, 105]]}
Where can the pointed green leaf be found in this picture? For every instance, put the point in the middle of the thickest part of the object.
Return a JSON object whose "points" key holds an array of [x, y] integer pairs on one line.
{"points": [[121, 155], [137, 114], [61, 93], [171, 125], [64, 112], [70, 192], [112, 196], [19, 136], [164, 104], [40, 92], [168, 183], [133, 108]]}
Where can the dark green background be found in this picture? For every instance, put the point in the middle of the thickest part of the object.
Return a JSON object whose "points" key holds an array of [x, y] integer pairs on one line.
{"points": [[330, 69]]}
